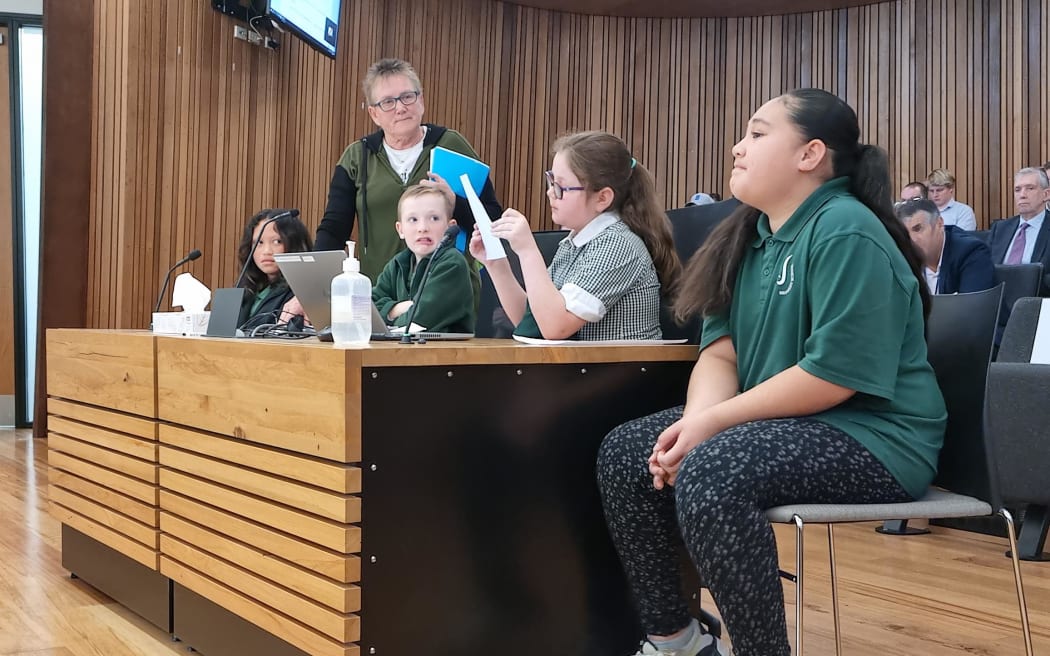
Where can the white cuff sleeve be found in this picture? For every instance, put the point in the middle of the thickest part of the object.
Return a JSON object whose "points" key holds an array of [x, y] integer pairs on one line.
{"points": [[582, 303]]}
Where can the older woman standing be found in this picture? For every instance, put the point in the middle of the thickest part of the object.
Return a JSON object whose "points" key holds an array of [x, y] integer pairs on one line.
{"points": [[373, 171]]}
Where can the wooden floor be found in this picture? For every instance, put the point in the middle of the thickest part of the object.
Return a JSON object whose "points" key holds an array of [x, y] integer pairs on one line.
{"points": [[946, 593]]}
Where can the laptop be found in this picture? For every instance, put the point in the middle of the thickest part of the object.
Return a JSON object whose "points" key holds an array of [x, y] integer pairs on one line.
{"points": [[382, 333], [310, 277]]}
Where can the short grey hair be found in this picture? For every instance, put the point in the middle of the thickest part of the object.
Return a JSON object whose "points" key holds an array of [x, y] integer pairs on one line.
{"points": [[386, 68], [1044, 182]]}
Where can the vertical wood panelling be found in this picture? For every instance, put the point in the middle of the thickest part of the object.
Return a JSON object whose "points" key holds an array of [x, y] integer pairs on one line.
{"points": [[194, 131]]}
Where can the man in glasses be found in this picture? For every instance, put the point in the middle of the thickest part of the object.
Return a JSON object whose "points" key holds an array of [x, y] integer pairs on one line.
{"points": [[954, 261], [914, 190]]}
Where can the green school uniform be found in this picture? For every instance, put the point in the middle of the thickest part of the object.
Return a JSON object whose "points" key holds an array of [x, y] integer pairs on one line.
{"points": [[831, 292], [447, 303]]}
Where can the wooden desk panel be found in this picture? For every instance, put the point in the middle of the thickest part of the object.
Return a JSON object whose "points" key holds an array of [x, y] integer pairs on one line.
{"points": [[104, 481], [326, 562], [337, 477], [110, 369], [342, 508], [102, 457], [278, 394], [341, 538], [123, 423], [293, 631], [257, 471], [196, 562]]}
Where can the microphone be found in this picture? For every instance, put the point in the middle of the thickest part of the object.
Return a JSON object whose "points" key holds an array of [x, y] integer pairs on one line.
{"points": [[448, 238], [193, 255], [251, 253]]}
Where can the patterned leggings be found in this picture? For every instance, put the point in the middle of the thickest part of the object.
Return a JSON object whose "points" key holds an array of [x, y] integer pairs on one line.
{"points": [[716, 507]]}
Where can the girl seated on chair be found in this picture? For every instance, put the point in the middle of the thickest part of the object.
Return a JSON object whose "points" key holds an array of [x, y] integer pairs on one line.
{"points": [[267, 289], [812, 384]]}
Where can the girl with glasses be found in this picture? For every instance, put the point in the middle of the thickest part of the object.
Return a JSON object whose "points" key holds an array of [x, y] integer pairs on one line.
{"points": [[606, 277]]}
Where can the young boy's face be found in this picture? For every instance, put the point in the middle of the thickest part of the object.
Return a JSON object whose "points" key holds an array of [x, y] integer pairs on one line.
{"points": [[422, 223]]}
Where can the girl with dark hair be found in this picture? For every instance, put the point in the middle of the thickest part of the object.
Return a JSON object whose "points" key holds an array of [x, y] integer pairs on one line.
{"points": [[606, 277], [812, 384], [267, 289]]}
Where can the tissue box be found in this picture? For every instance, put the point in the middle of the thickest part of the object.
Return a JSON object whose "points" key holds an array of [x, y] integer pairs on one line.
{"points": [[180, 323]]}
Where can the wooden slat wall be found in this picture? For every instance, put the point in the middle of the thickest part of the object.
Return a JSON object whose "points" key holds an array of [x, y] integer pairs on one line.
{"points": [[194, 131]]}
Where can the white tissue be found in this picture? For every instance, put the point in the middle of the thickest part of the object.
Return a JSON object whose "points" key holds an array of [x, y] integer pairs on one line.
{"points": [[190, 293]]}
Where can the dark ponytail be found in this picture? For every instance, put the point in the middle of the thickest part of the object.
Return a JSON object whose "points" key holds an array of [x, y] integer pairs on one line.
{"points": [[709, 277], [870, 183], [707, 285]]}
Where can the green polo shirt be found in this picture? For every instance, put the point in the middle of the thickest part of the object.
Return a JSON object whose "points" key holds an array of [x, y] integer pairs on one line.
{"points": [[832, 293]]}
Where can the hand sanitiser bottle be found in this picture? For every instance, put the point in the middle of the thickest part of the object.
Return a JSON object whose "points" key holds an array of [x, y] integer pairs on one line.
{"points": [[351, 304]]}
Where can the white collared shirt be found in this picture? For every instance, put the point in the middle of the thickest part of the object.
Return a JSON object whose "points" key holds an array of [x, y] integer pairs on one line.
{"points": [[593, 229], [1034, 224], [607, 278], [933, 276]]}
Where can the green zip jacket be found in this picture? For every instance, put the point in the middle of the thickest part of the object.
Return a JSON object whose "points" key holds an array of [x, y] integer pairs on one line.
{"points": [[365, 185], [447, 302]]}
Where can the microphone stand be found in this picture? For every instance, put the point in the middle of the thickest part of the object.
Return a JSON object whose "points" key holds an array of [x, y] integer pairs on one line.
{"points": [[193, 255], [406, 338]]}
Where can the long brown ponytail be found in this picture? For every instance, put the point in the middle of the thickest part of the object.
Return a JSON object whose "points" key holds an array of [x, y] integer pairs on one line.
{"points": [[601, 160]]}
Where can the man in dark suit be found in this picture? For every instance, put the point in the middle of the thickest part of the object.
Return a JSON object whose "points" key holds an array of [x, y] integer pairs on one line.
{"points": [[954, 261], [1024, 238]]}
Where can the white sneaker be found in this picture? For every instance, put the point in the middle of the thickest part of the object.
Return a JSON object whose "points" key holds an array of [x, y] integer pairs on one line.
{"points": [[702, 644]]}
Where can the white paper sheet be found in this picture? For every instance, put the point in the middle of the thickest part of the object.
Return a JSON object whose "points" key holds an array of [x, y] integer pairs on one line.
{"points": [[1041, 347], [599, 342], [493, 246]]}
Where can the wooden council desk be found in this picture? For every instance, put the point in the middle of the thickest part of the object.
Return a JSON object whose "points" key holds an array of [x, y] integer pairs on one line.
{"points": [[271, 497]]}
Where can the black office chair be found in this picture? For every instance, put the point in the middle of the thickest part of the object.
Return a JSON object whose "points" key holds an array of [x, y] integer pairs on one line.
{"points": [[547, 241], [492, 322], [981, 234], [690, 227], [1017, 394], [1021, 281]]}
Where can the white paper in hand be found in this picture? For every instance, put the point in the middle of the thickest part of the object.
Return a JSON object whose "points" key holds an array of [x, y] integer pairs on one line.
{"points": [[493, 246]]}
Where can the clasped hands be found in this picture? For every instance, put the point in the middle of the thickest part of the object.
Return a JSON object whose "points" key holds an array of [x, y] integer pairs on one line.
{"points": [[675, 443]]}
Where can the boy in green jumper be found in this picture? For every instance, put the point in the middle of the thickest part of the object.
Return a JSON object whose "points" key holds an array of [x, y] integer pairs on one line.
{"points": [[447, 302]]}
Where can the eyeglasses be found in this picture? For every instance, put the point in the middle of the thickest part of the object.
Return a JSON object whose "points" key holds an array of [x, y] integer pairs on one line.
{"points": [[407, 98], [559, 190], [907, 200]]}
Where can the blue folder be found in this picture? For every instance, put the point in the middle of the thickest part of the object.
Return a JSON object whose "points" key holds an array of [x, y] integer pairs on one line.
{"points": [[450, 165]]}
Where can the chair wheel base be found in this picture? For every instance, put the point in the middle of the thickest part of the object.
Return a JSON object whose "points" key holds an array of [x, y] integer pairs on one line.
{"points": [[907, 530]]}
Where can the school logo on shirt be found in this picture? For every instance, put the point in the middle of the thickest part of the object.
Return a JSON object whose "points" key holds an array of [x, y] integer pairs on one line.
{"points": [[786, 281]]}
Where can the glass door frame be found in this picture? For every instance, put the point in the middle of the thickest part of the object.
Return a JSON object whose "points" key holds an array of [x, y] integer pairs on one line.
{"points": [[14, 23]]}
